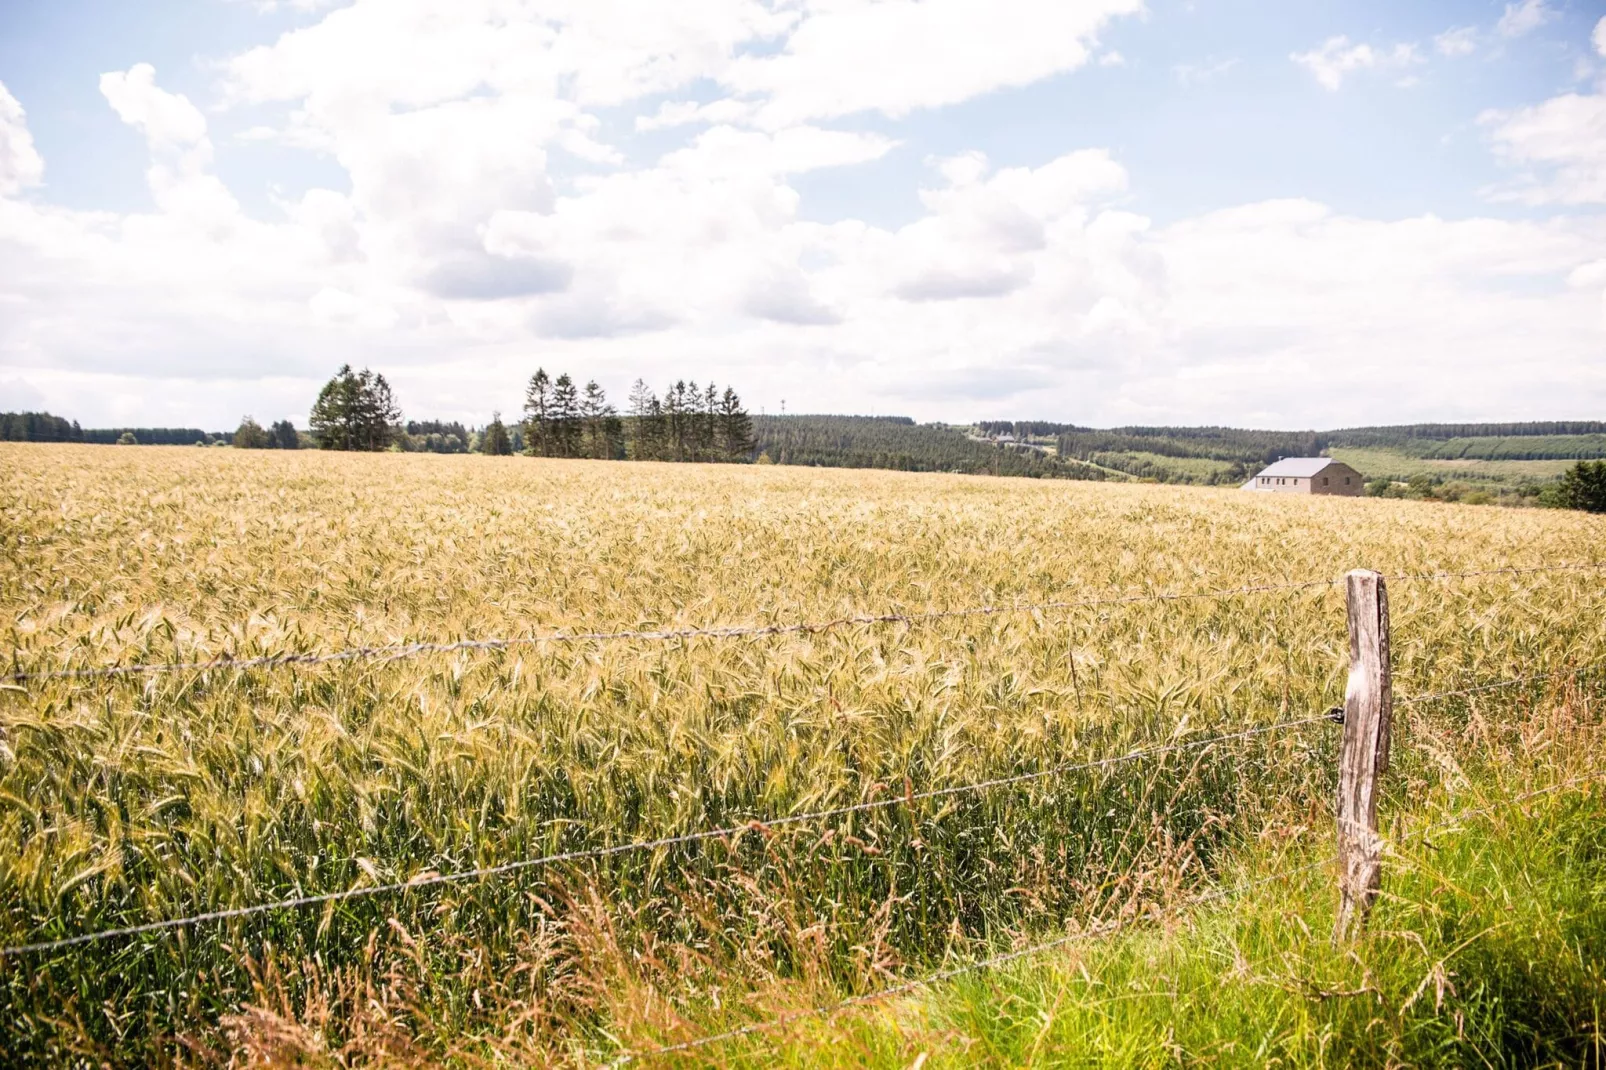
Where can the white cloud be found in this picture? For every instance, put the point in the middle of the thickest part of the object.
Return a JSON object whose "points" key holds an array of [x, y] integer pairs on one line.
{"points": [[1337, 57], [1459, 41], [894, 56], [1598, 38], [1524, 17], [20, 165], [470, 237], [168, 120], [1561, 144]]}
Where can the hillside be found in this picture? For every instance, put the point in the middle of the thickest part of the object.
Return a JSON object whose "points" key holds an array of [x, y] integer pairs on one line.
{"points": [[900, 444], [1509, 462]]}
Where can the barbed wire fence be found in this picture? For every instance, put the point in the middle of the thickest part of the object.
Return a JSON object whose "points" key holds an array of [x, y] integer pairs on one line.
{"points": [[764, 825], [1097, 931], [399, 651]]}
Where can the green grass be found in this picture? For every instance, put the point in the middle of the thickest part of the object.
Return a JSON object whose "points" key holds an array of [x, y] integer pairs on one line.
{"points": [[1389, 464], [1487, 948]]}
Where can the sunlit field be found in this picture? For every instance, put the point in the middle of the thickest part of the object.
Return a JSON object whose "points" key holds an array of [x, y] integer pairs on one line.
{"points": [[145, 797]]}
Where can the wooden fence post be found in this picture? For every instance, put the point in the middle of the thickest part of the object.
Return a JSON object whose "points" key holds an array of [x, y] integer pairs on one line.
{"points": [[1364, 753]]}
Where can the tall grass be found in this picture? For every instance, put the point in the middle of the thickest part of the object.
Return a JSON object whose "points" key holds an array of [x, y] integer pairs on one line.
{"points": [[135, 799]]}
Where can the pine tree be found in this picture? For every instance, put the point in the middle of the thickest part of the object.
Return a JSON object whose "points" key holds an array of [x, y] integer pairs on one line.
{"points": [[646, 423], [354, 412], [735, 427], [284, 436], [676, 418], [332, 414], [705, 430], [1583, 486], [495, 441], [538, 415], [378, 412], [567, 428], [599, 418]]}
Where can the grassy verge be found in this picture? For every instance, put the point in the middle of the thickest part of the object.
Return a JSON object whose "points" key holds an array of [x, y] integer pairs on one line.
{"points": [[1487, 948]]}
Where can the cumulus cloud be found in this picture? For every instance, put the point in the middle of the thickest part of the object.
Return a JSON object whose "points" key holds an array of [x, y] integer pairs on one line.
{"points": [[1559, 145], [1337, 57], [469, 236], [168, 120], [894, 56], [1525, 17], [20, 165]]}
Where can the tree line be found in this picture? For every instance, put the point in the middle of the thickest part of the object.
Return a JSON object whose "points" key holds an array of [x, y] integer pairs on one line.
{"points": [[358, 411]]}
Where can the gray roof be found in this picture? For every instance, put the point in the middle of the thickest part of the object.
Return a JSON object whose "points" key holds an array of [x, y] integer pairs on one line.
{"points": [[1299, 467]]}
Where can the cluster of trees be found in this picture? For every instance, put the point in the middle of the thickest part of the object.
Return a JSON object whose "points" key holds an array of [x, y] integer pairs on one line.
{"points": [[689, 423], [38, 427], [154, 436], [1583, 486], [251, 435], [435, 436], [562, 420], [1025, 428], [355, 411]]}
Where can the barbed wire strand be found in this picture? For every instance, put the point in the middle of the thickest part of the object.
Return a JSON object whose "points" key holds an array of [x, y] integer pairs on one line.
{"points": [[1513, 682], [1097, 932], [430, 879], [395, 651], [1583, 566]]}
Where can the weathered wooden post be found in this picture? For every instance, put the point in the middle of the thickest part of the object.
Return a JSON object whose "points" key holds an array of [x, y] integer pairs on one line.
{"points": [[1364, 753]]}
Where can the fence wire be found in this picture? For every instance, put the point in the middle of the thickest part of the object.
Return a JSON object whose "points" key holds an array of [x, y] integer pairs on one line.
{"points": [[1581, 670], [430, 879], [1096, 932], [829, 1010], [397, 651]]}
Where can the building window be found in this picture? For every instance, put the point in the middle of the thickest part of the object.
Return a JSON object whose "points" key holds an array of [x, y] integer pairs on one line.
{"points": [[1346, 481], [1324, 481]]}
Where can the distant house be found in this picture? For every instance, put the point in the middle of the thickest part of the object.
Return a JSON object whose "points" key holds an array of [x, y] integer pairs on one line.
{"points": [[1308, 475]]}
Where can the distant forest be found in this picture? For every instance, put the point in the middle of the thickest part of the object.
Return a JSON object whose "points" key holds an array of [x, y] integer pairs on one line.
{"points": [[897, 442], [700, 423]]}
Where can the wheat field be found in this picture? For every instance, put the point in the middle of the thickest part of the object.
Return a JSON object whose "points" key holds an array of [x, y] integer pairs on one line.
{"points": [[143, 797]]}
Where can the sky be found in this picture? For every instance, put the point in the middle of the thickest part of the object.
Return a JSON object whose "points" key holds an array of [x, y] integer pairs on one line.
{"points": [[1308, 214]]}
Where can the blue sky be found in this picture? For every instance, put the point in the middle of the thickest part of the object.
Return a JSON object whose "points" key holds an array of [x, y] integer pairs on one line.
{"points": [[1093, 210]]}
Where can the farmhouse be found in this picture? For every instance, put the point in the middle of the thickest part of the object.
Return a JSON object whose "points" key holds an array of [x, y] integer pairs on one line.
{"points": [[1308, 475]]}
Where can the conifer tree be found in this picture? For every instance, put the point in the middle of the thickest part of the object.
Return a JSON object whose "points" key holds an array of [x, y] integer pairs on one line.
{"points": [[646, 420], [601, 422], [735, 427], [707, 432], [538, 415], [354, 411], [567, 427], [676, 418], [495, 441]]}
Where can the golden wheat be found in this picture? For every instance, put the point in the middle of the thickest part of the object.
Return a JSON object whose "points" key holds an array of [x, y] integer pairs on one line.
{"points": [[146, 797]]}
